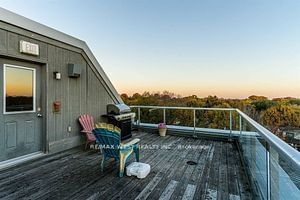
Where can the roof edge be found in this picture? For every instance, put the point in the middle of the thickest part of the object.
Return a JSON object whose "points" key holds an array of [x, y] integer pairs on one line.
{"points": [[33, 26]]}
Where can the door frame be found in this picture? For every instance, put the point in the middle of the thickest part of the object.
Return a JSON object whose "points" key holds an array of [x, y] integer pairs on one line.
{"points": [[44, 97]]}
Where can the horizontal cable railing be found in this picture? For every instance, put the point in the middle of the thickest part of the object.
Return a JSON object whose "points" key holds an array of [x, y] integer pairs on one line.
{"points": [[273, 165]]}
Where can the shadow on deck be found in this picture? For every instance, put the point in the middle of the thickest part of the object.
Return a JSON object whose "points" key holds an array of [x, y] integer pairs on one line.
{"points": [[75, 174]]}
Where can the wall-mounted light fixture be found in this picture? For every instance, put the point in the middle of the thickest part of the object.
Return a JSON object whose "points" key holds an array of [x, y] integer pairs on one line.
{"points": [[57, 75]]}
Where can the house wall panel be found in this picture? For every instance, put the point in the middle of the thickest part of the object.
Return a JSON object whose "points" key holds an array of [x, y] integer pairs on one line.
{"points": [[87, 94], [3, 41]]}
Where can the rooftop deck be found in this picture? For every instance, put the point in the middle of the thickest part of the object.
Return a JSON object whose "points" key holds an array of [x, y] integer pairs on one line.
{"points": [[75, 174]]}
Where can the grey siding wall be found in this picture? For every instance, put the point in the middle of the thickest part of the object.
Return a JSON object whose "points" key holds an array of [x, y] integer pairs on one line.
{"points": [[87, 94]]}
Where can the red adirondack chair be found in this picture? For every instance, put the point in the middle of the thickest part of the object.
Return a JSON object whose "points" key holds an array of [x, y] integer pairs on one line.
{"points": [[87, 123]]}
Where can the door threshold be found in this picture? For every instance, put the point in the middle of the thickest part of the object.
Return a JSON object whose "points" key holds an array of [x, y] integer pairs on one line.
{"points": [[19, 160]]}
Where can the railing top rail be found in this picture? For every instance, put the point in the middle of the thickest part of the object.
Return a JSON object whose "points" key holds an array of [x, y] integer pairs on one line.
{"points": [[184, 108], [275, 142], [279, 145]]}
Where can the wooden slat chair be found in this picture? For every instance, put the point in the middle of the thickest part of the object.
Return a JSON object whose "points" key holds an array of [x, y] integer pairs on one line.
{"points": [[87, 123], [109, 139]]}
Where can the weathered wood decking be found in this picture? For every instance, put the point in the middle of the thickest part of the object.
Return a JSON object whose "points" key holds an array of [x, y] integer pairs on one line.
{"points": [[75, 174]]}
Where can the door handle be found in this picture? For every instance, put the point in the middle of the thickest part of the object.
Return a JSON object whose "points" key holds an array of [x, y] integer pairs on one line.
{"points": [[39, 115]]}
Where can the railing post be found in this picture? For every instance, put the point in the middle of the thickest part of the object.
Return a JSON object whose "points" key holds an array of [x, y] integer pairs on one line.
{"points": [[241, 128], [268, 171], [230, 124], [194, 117], [139, 117], [164, 115]]}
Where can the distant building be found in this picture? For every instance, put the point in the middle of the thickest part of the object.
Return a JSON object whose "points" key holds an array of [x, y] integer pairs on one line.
{"points": [[292, 136]]}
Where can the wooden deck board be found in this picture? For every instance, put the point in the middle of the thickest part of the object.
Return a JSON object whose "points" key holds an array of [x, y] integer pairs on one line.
{"points": [[189, 171], [175, 172], [164, 167], [223, 174], [211, 186], [120, 187], [204, 173], [75, 174]]}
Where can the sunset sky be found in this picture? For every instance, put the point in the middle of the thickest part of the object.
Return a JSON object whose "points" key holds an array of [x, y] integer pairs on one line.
{"points": [[19, 82], [232, 48]]}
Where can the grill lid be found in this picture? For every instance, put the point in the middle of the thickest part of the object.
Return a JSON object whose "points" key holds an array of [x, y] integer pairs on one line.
{"points": [[117, 109]]}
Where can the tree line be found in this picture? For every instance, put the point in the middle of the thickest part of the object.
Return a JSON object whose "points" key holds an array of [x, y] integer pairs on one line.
{"points": [[277, 113]]}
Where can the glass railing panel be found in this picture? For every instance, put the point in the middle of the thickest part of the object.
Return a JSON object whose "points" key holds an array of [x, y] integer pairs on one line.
{"points": [[235, 121], [284, 177], [135, 110], [177, 117], [148, 115], [213, 119], [151, 115], [255, 156]]}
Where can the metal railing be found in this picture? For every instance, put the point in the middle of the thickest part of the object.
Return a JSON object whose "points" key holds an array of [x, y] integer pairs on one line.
{"points": [[271, 163], [193, 109]]}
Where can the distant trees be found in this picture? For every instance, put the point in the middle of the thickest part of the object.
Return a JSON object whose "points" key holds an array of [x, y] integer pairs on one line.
{"points": [[257, 98], [294, 102], [279, 112], [124, 97], [263, 105], [281, 116]]}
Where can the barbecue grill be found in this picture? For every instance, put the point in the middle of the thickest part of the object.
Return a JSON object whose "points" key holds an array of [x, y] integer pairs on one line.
{"points": [[120, 115]]}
